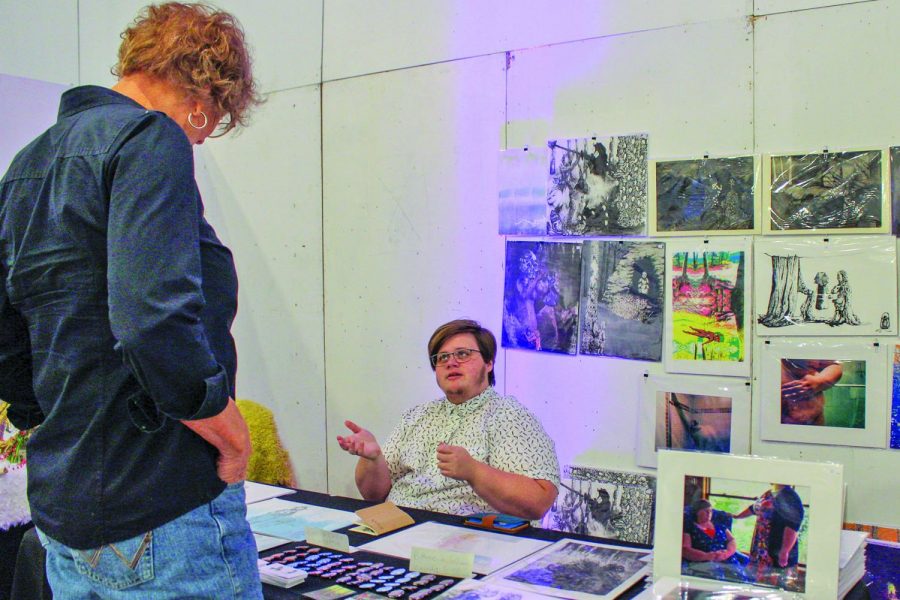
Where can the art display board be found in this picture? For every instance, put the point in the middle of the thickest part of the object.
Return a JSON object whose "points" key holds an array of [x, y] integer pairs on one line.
{"points": [[822, 486], [542, 290], [604, 503], [622, 299], [705, 196], [522, 191], [717, 420], [597, 186], [826, 192], [577, 570], [492, 550], [823, 391], [707, 305], [825, 286]]}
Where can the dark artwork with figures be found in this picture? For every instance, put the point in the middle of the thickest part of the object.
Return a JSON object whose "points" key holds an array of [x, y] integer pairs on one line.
{"points": [[833, 190], [708, 194], [895, 188], [604, 503], [829, 393], [826, 299], [895, 400], [745, 531], [597, 186], [693, 422], [540, 298], [623, 294]]}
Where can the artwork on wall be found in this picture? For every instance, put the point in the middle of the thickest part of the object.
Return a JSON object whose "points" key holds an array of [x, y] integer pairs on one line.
{"points": [[882, 577], [841, 192], [688, 412], [522, 191], [597, 186], [705, 196], [784, 517], [622, 299], [604, 503], [895, 188], [577, 570], [823, 391], [707, 299], [826, 286], [895, 400], [541, 294]]}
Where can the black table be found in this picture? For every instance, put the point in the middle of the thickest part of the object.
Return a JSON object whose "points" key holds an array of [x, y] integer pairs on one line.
{"points": [[272, 592]]}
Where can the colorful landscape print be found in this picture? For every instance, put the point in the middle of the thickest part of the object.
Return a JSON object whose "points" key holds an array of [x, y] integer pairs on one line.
{"points": [[708, 306]]}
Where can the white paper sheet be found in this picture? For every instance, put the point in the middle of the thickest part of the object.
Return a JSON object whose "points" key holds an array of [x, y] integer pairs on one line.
{"points": [[257, 492], [289, 520], [492, 550]]}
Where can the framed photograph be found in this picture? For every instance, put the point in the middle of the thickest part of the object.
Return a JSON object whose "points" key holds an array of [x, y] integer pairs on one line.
{"points": [[622, 299], [691, 412], [707, 304], [753, 521], [895, 399], [522, 191], [826, 286], [833, 192], [604, 503], [705, 196], [540, 297], [597, 186], [823, 391], [577, 570], [895, 189]]}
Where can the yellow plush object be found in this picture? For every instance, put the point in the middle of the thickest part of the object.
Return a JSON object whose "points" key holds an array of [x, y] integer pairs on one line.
{"points": [[269, 462]]}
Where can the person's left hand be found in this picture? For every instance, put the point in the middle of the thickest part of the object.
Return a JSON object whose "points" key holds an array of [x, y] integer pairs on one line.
{"points": [[783, 557], [455, 462]]}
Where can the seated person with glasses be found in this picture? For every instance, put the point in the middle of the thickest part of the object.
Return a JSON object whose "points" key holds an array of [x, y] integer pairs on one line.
{"points": [[470, 451]]}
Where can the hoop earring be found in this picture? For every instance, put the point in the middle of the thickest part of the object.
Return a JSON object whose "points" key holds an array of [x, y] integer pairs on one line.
{"points": [[191, 121]]}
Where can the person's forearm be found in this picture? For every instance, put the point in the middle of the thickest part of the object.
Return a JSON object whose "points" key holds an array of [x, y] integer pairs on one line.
{"points": [[228, 433], [689, 553], [373, 478], [513, 494], [788, 539]]}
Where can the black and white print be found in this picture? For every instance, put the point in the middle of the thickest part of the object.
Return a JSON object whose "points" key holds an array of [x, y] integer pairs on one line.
{"points": [[827, 190], [604, 503], [597, 186]]}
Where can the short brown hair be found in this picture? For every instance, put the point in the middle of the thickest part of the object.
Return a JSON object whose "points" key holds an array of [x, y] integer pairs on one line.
{"points": [[196, 47], [487, 343]]}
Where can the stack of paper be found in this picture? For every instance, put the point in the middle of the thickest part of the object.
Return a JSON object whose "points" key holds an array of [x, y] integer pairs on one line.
{"points": [[852, 566]]}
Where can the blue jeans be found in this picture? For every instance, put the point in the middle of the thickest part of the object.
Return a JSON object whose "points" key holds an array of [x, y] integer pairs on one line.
{"points": [[206, 553]]}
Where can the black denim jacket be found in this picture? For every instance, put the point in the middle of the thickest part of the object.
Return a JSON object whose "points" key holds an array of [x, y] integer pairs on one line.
{"points": [[116, 305]]}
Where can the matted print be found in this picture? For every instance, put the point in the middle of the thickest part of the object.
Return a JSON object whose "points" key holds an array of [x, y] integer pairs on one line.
{"points": [[708, 299], [758, 522], [882, 576], [622, 299], [540, 298], [895, 399], [579, 570], [823, 391], [522, 191], [837, 192], [689, 412], [604, 503], [826, 286], [895, 189], [597, 186], [704, 196]]}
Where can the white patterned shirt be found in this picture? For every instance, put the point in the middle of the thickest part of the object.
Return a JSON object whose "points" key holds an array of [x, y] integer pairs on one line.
{"points": [[494, 429]]}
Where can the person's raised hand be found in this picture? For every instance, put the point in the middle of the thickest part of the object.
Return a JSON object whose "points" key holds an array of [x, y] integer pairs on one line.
{"points": [[360, 443]]}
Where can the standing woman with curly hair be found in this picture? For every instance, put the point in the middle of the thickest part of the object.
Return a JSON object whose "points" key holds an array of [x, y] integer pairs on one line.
{"points": [[116, 303]]}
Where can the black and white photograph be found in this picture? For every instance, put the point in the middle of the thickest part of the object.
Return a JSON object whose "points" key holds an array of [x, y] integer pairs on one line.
{"points": [[833, 191], [814, 286], [705, 196], [622, 299], [604, 503], [579, 570], [597, 186], [541, 294]]}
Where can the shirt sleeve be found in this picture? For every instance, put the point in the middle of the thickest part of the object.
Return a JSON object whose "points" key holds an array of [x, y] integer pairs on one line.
{"points": [[519, 444], [15, 366], [154, 271]]}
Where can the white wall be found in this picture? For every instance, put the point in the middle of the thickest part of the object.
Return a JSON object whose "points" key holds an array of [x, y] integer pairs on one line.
{"points": [[361, 205]]}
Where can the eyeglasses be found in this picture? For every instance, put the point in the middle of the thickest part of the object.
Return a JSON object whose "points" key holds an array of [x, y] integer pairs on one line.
{"points": [[462, 355]]}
